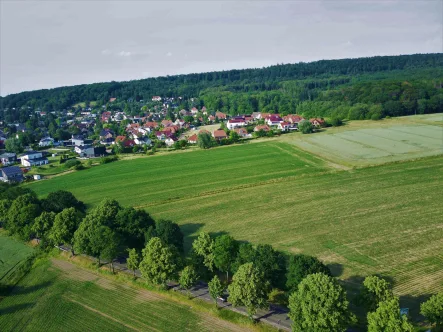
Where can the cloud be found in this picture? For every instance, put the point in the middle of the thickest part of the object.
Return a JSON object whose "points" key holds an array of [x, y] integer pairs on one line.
{"points": [[169, 54], [124, 53], [106, 52]]}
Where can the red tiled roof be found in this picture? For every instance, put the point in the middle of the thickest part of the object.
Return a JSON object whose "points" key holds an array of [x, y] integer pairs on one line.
{"points": [[220, 133]]}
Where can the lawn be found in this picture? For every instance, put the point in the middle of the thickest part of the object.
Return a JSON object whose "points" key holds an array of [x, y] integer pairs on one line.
{"points": [[59, 296], [12, 252]]}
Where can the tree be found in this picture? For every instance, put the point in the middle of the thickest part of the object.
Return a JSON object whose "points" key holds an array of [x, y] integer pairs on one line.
{"points": [[5, 204], [59, 200], [387, 318], [375, 290], [216, 288], [132, 225], [24, 209], [246, 254], [305, 127], [433, 310], [225, 252], [13, 145], [249, 288], [336, 122], [234, 136], [105, 242], [300, 266], [272, 263], [320, 304], [133, 260], [159, 263], [188, 278], [43, 224], [204, 247], [204, 140], [65, 225], [170, 233]]}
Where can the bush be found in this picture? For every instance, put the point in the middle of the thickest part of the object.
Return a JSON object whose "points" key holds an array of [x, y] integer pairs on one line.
{"points": [[72, 163], [336, 122], [108, 159]]}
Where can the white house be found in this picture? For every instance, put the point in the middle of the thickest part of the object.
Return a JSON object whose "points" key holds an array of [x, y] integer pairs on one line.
{"points": [[33, 158], [235, 123], [156, 98], [47, 141], [142, 141], [170, 141]]}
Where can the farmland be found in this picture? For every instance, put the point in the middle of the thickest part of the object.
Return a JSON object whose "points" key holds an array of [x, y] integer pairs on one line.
{"points": [[382, 219], [58, 296], [12, 252]]}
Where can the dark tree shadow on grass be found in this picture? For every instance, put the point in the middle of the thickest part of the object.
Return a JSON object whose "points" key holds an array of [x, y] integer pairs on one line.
{"points": [[13, 308], [190, 232], [336, 269]]}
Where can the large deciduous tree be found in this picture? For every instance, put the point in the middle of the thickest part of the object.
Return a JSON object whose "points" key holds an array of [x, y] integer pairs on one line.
{"points": [[225, 252], [320, 304], [59, 200], [65, 225], [132, 225], [433, 310], [300, 266], [305, 127], [387, 318], [159, 263], [375, 290], [216, 288], [24, 209], [43, 224], [170, 233], [205, 140], [249, 288], [204, 247]]}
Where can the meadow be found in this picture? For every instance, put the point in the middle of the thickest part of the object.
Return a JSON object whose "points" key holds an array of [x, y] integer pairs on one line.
{"points": [[56, 295], [384, 219], [362, 143], [12, 252]]}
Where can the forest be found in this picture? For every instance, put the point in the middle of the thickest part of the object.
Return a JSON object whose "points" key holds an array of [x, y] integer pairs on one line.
{"points": [[362, 88]]}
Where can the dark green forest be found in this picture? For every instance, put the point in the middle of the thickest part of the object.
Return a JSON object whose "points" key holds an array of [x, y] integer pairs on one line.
{"points": [[362, 88]]}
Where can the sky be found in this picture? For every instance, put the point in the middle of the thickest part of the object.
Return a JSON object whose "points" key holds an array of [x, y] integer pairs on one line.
{"points": [[51, 43]]}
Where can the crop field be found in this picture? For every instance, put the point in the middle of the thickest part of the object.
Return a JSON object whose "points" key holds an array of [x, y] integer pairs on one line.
{"points": [[59, 296], [384, 219], [12, 252], [378, 145]]}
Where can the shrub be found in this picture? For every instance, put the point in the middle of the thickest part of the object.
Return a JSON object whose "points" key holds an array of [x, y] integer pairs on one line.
{"points": [[72, 163], [108, 159], [336, 122]]}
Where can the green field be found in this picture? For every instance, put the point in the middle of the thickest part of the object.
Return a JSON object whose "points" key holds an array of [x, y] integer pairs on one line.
{"points": [[384, 219], [12, 252], [59, 296], [370, 143]]}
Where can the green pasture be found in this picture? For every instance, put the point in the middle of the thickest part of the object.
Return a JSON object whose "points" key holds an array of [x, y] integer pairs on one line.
{"points": [[12, 252], [58, 296], [373, 145]]}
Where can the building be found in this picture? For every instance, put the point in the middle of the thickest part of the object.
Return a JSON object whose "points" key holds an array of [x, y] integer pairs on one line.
{"points": [[265, 128], [33, 158], [193, 139], [273, 120], [220, 115], [142, 140], [170, 141], [317, 122], [242, 132], [156, 98], [47, 141], [219, 134], [235, 123], [11, 174], [8, 158], [77, 140], [89, 151]]}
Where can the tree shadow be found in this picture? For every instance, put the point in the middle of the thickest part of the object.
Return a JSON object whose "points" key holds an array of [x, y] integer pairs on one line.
{"points": [[336, 269], [190, 232], [13, 308], [413, 304], [21, 290]]}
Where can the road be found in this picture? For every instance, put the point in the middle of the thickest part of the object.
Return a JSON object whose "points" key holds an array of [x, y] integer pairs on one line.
{"points": [[276, 316]]}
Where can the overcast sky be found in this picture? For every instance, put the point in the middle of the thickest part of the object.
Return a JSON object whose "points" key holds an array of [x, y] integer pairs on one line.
{"points": [[46, 44]]}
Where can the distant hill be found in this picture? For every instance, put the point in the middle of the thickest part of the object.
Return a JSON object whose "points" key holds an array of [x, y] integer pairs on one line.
{"points": [[281, 88]]}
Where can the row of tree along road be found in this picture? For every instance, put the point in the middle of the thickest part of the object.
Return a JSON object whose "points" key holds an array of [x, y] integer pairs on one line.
{"points": [[260, 274]]}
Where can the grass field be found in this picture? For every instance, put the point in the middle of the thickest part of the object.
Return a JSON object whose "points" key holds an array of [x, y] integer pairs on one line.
{"points": [[59, 296], [12, 252], [384, 219], [369, 143]]}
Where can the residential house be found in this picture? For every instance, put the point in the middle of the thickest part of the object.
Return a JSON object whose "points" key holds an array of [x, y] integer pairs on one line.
{"points": [[47, 141], [256, 115], [194, 111], [317, 122], [262, 127], [106, 133], [111, 100], [235, 123], [150, 126], [90, 151], [193, 139], [170, 140], [242, 132], [160, 135], [106, 116], [156, 98], [273, 120], [11, 174], [77, 140], [33, 158], [142, 140], [167, 123], [8, 158], [220, 115], [219, 134], [293, 118]]}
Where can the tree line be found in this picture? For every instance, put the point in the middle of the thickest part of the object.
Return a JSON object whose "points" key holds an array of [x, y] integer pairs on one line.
{"points": [[252, 275]]}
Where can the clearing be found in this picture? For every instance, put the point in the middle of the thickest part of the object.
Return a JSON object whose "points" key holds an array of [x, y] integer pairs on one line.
{"points": [[12, 252]]}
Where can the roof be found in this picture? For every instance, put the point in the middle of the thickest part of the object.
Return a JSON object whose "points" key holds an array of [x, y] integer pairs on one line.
{"points": [[120, 138], [262, 127], [8, 155], [12, 170], [219, 133], [236, 121], [193, 138], [27, 153]]}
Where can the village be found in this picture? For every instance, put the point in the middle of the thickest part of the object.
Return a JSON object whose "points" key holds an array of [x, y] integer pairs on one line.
{"points": [[94, 133]]}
